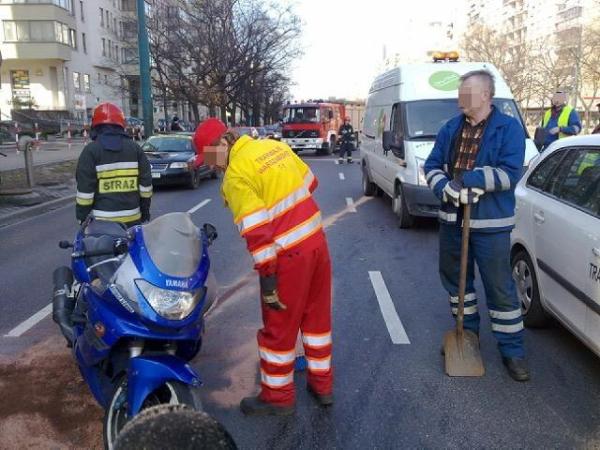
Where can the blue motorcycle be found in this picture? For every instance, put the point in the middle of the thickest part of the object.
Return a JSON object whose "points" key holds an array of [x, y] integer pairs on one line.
{"points": [[131, 308]]}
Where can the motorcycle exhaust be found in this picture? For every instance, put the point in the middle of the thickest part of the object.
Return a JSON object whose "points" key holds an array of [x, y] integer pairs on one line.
{"points": [[62, 304]]}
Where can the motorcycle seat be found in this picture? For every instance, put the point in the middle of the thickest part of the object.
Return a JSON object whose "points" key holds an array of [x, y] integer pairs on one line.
{"points": [[99, 228]]}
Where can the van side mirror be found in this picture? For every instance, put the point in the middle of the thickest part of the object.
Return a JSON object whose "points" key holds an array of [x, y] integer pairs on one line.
{"points": [[539, 137], [390, 143]]}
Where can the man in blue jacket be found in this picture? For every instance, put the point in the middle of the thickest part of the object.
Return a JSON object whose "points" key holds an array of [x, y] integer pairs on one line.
{"points": [[478, 158]]}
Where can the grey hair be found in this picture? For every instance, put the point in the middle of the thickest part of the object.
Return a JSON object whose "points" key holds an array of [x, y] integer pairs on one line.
{"points": [[482, 74]]}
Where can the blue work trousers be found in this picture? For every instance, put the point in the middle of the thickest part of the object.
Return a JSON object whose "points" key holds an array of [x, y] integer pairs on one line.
{"points": [[491, 252]]}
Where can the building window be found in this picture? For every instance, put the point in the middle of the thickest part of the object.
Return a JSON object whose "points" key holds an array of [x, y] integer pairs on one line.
{"points": [[110, 49], [115, 29], [73, 38], [105, 79], [86, 82], [101, 17], [99, 78], [76, 81], [83, 43], [65, 4], [38, 31], [107, 20], [81, 10], [117, 53], [103, 47]]}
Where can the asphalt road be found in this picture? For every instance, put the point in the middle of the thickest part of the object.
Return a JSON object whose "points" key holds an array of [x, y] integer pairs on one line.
{"points": [[386, 395]]}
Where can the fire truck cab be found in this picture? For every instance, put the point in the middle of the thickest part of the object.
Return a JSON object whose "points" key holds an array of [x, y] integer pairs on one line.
{"points": [[312, 126]]}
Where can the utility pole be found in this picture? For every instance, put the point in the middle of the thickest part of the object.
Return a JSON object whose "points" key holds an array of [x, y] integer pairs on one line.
{"points": [[145, 79]]}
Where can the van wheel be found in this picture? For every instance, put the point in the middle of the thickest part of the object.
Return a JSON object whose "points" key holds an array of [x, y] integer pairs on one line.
{"points": [[528, 291], [405, 220], [369, 188]]}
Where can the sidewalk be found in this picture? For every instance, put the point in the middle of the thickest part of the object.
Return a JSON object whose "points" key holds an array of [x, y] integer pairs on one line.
{"points": [[48, 152]]}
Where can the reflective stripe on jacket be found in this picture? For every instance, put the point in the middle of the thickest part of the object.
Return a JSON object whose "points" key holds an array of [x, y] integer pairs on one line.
{"points": [[268, 189], [113, 185], [497, 170]]}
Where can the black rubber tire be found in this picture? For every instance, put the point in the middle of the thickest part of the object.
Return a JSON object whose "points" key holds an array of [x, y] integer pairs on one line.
{"points": [[113, 424], [535, 316], [369, 188], [400, 208], [194, 181]]}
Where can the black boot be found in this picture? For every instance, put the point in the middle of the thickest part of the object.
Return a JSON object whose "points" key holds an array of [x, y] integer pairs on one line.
{"points": [[517, 368], [254, 406], [322, 399]]}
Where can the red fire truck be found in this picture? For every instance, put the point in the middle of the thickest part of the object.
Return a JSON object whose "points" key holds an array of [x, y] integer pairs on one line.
{"points": [[312, 125]]}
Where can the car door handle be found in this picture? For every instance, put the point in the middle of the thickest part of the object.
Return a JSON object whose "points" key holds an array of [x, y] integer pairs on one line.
{"points": [[596, 252], [539, 217]]}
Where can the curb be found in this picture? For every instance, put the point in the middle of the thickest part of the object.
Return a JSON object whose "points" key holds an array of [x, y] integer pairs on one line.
{"points": [[28, 212]]}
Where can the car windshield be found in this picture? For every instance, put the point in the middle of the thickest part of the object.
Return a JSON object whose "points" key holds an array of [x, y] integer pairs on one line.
{"points": [[424, 118], [301, 115], [244, 130], [168, 144]]}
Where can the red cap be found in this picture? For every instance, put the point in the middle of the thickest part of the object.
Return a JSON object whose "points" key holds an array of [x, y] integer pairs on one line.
{"points": [[208, 132], [108, 113]]}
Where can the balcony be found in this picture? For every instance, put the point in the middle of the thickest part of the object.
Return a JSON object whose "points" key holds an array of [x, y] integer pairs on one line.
{"points": [[36, 50], [42, 12]]}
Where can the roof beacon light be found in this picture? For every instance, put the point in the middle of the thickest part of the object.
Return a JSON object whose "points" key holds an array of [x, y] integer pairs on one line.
{"points": [[445, 56]]}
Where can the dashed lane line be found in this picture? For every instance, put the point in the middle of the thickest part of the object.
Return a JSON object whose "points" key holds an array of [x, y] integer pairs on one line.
{"points": [[199, 205], [26, 325], [388, 310], [342, 176], [350, 204]]}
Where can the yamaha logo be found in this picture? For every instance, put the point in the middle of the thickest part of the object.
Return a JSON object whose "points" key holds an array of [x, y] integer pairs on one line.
{"points": [[177, 283]]}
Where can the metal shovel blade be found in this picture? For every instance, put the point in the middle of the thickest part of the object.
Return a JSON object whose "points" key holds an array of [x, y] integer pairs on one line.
{"points": [[462, 355]]}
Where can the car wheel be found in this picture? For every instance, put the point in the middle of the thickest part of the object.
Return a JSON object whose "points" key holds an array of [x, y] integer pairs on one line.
{"points": [[405, 220], [194, 180], [528, 290], [369, 188]]}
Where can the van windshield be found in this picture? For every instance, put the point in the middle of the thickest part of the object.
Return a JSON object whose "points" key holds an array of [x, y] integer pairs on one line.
{"points": [[301, 115], [424, 118]]}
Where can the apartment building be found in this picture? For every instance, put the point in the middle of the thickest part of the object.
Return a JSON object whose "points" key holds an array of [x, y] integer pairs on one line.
{"points": [[68, 55]]}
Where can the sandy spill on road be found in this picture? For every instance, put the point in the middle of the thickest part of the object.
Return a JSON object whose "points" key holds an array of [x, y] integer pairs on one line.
{"points": [[44, 402]]}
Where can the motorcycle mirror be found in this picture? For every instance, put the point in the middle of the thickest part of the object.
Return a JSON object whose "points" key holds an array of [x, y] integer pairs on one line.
{"points": [[210, 231], [65, 244]]}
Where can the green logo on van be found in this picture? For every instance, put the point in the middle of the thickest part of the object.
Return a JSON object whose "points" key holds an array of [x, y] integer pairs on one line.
{"points": [[444, 80]]}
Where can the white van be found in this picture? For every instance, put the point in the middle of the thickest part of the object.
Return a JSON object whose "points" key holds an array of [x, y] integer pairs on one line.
{"points": [[413, 102]]}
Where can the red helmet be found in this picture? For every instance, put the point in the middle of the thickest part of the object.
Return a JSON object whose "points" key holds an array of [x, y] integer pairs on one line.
{"points": [[108, 113], [208, 132]]}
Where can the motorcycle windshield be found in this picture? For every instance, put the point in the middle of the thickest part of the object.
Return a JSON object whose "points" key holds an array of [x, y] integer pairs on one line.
{"points": [[174, 244]]}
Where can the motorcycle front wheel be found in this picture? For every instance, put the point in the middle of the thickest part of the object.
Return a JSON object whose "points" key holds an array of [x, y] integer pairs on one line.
{"points": [[170, 393]]}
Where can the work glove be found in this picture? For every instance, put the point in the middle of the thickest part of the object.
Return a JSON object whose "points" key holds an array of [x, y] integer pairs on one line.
{"points": [[451, 192], [470, 196], [268, 292], [554, 130]]}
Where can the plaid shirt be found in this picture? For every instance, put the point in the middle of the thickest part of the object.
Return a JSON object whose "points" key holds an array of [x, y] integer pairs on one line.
{"points": [[467, 146]]}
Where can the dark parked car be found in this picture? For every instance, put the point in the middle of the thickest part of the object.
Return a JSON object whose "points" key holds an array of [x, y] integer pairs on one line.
{"points": [[174, 160]]}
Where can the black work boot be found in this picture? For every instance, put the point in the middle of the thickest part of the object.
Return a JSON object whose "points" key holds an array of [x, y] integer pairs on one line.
{"points": [[517, 368], [322, 399], [254, 406]]}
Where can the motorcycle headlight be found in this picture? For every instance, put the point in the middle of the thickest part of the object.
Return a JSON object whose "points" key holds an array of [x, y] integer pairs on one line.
{"points": [[179, 165], [170, 304], [421, 171]]}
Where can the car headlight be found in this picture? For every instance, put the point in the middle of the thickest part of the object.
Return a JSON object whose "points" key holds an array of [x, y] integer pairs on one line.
{"points": [[170, 304], [179, 165], [422, 180]]}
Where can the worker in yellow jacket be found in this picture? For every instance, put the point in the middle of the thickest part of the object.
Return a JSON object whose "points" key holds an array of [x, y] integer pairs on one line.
{"points": [[269, 191]]}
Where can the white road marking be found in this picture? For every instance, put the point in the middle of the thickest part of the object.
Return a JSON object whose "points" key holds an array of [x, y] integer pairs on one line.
{"points": [[30, 323], [342, 177], [388, 310], [199, 205], [350, 204]]}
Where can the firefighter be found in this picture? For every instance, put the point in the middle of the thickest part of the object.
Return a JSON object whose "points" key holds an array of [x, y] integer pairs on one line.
{"points": [[269, 191], [561, 120], [346, 134], [477, 158], [114, 180]]}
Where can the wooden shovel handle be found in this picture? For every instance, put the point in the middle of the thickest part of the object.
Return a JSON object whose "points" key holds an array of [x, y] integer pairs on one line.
{"points": [[464, 258]]}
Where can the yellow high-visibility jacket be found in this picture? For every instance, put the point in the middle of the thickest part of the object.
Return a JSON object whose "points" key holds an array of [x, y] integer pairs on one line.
{"points": [[269, 191]]}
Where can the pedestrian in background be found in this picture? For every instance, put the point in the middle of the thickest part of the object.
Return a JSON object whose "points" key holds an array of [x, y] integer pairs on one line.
{"points": [[269, 191], [597, 129], [560, 121], [346, 134], [477, 159]]}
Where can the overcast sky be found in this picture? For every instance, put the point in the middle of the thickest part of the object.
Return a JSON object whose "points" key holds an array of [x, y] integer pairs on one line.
{"points": [[343, 41]]}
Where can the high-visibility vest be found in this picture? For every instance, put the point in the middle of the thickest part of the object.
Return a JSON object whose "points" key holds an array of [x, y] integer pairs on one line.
{"points": [[563, 119], [590, 160]]}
